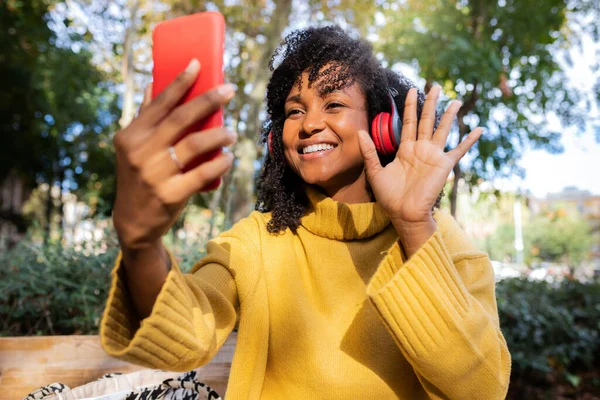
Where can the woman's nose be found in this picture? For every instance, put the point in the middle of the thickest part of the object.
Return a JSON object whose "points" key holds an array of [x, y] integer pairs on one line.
{"points": [[313, 122]]}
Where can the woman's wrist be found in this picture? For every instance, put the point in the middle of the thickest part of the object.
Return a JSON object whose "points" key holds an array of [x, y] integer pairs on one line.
{"points": [[154, 253], [413, 235]]}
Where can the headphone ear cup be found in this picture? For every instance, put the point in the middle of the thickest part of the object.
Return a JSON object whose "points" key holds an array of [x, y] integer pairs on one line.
{"points": [[269, 140], [386, 134], [376, 132]]}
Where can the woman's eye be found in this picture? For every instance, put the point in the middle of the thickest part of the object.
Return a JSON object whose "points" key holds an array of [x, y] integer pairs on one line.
{"points": [[334, 105], [292, 112]]}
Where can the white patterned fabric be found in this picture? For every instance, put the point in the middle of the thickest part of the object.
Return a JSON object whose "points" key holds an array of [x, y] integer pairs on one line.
{"points": [[141, 385]]}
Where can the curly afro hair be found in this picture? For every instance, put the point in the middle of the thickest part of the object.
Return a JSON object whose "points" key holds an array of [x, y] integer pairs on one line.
{"points": [[349, 60]]}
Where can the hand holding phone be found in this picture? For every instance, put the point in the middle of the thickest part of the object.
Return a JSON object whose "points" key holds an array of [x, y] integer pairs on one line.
{"points": [[151, 188]]}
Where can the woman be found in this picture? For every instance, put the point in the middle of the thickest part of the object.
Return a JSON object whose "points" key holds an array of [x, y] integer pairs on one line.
{"points": [[347, 282]]}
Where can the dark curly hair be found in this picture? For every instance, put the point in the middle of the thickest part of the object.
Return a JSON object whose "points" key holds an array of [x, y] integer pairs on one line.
{"points": [[351, 60]]}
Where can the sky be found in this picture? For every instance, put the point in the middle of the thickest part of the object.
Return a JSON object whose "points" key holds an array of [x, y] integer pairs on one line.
{"points": [[579, 164]]}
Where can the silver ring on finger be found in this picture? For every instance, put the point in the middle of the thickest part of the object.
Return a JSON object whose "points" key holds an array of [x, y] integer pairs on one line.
{"points": [[178, 163]]}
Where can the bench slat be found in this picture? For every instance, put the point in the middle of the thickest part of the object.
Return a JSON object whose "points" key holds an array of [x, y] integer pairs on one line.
{"points": [[27, 363]]}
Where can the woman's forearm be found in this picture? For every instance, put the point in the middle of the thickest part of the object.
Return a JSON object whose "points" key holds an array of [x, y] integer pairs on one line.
{"points": [[412, 236], [146, 270]]}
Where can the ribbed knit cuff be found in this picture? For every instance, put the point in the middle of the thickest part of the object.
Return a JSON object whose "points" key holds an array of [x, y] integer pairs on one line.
{"points": [[143, 342], [423, 301]]}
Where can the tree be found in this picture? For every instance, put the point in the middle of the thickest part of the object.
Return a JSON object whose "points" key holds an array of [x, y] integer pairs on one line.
{"points": [[498, 56], [560, 235], [501, 244], [55, 102]]}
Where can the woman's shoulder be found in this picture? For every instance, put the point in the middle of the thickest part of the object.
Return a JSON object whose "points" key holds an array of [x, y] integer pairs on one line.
{"points": [[248, 229]]}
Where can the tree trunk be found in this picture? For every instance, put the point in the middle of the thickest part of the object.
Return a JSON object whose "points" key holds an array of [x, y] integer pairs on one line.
{"points": [[60, 205], [454, 191], [128, 70], [463, 130], [246, 149], [214, 206], [48, 210]]}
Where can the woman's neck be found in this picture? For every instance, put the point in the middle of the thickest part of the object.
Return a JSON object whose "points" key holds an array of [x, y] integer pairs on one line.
{"points": [[356, 192]]}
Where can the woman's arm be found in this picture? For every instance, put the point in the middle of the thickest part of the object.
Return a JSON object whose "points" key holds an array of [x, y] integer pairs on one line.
{"points": [[193, 313], [145, 272], [440, 307]]}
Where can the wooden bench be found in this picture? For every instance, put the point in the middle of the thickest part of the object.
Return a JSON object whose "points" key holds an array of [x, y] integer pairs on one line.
{"points": [[27, 363]]}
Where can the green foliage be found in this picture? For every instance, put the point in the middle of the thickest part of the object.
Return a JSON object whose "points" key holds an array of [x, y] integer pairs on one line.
{"points": [[47, 289], [501, 244], [24, 36], [57, 107], [499, 57], [551, 330], [559, 236]]}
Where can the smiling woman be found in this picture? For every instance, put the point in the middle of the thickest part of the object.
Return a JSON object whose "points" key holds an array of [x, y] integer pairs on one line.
{"points": [[348, 281], [320, 138]]}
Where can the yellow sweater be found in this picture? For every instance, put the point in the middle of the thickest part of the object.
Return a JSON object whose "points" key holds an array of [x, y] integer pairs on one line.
{"points": [[331, 312]]}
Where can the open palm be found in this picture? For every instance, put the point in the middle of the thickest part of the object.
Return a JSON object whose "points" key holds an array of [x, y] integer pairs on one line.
{"points": [[408, 187]]}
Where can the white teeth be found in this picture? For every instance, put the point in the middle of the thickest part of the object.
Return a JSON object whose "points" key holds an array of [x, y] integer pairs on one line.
{"points": [[316, 147]]}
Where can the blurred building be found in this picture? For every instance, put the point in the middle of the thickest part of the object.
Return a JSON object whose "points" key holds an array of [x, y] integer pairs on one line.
{"points": [[585, 202]]}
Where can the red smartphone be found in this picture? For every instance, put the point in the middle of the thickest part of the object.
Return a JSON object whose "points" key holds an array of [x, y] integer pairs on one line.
{"points": [[178, 41]]}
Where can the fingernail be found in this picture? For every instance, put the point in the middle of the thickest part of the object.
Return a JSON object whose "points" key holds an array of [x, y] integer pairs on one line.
{"points": [[193, 66], [232, 134], [363, 133], [227, 90]]}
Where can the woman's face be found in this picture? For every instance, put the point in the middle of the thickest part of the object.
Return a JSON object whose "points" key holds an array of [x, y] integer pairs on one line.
{"points": [[320, 135]]}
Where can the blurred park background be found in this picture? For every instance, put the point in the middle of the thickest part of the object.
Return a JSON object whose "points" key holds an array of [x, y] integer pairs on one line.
{"points": [[72, 73]]}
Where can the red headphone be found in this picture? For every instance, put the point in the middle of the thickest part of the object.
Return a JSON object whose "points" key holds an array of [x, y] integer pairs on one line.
{"points": [[385, 130]]}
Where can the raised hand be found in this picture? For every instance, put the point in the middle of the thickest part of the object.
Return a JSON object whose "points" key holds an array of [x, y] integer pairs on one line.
{"points": [[408, 187]]}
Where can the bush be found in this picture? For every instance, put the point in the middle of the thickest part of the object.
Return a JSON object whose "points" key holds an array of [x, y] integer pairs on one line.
{"points": [[49, 290], [52, 290], [552, 331]]}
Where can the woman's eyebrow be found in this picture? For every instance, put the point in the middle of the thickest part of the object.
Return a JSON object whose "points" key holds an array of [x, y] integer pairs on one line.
{"points": [[324, 93], [294, 99]]}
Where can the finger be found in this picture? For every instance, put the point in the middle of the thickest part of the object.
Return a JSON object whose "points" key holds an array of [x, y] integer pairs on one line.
{"points": [[441, 133], [409, 121], [162, 165], [428, 114], [369, 154], [171, 96], [185, 115], [180, 187], [466, 144], [147, 97]]}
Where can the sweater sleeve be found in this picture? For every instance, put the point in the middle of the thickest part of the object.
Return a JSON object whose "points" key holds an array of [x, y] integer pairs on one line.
{"points": [[191, 318], [440, 307]]}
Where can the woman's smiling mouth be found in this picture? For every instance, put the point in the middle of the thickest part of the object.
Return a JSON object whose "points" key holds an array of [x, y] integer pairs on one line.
{"points": [[317, 150]]}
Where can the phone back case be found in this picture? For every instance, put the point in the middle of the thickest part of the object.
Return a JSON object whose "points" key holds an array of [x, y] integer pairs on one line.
{"points": [[175, 43]]}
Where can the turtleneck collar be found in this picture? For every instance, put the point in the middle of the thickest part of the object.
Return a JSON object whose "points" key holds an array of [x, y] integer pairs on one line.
{"points": [[335, 220]]}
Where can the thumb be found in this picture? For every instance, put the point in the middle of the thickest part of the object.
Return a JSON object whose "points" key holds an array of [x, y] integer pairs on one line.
{"points": [[369, 154], [147, 97]]}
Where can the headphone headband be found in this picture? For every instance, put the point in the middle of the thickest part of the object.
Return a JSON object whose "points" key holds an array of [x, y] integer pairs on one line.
{"points": [[395, 122]]}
